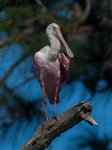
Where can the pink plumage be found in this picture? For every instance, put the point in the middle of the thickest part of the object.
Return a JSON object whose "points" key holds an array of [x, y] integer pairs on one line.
{"points": [[50, 75], [51, 66]]}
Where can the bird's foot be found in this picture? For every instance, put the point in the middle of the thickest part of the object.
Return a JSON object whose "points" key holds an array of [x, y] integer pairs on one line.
{"points": [[47, 119], [55, 117]]}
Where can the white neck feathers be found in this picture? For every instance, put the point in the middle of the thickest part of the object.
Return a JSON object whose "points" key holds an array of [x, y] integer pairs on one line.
{"points": [[54, 47]]}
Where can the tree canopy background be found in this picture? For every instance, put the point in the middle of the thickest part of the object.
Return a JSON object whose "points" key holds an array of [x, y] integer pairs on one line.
{"points": [[86, 25]]}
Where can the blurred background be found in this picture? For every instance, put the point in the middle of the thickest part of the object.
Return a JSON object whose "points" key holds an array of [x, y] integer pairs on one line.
{"points": [[87, 28]]}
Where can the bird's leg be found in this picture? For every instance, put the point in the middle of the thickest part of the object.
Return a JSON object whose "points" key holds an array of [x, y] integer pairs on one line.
{"points": [[45, 102], [55, 99]]}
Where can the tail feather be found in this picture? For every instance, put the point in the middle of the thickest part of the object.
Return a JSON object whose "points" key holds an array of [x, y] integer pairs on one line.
{"points": [[51, 99]]}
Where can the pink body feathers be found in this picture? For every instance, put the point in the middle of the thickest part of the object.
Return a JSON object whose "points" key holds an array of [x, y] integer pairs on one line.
{"points": [[52, 73], [51, 66]]}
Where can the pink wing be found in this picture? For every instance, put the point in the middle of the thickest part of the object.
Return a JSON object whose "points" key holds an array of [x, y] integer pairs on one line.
{"points": [[64, 66]]}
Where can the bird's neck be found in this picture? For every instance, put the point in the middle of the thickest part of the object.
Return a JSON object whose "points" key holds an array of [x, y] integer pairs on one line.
{"points": [[55, 47]]}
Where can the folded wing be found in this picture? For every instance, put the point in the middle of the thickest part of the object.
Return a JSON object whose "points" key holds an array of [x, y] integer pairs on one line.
{"points": [[64, 66]]}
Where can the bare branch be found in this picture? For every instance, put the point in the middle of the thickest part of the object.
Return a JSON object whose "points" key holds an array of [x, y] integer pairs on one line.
{"points": [[17, 36], [6, 41], [41, 5], [11, 69], [52, 128], [29, 22], [60, 6], [21, 84], [84, 15], [63, 5], [4, 3]]}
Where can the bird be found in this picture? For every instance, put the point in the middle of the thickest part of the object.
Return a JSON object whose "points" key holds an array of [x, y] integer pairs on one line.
{"points": [[51, 66]]}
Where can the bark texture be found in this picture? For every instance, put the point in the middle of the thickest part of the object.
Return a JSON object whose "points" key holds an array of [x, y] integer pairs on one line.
{"points": [[52, 128]]}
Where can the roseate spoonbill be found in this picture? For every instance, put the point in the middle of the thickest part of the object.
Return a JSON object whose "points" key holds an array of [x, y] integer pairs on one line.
{"points": [[51, 66]]}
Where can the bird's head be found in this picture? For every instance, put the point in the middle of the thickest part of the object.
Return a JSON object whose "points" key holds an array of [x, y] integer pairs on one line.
{"points": [[54, 30]]}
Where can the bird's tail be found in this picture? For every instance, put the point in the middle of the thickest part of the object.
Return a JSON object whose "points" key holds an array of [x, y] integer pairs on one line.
{"points": [[51, 99]]}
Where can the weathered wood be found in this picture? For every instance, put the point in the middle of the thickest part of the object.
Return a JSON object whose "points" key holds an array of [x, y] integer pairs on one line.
{"points": [[52, 128]]}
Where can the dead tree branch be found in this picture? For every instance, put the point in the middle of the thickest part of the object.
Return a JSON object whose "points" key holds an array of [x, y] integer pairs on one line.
{"points": [[23, 83], [84, 15], [30, 22], [41, 5], [11, 69], [61, 6], [4, 3], [52, 128], [18, 36]]}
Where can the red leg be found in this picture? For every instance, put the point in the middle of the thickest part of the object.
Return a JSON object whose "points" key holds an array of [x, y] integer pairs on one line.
{"points": [[45, 102], [55, 99]]}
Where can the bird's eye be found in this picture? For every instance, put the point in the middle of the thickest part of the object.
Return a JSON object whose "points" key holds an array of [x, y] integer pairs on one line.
{"points": [[54, 28]]}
